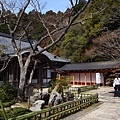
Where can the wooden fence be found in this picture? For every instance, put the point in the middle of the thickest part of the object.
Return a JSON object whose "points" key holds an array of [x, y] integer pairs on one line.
{"points": [[81, 88], [60, 111]]}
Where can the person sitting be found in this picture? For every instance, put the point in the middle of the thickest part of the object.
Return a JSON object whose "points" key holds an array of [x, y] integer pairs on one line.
{"points": [[116, 85]]}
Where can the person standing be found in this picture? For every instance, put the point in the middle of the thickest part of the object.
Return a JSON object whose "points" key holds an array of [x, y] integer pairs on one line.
{"points": [[116, 85], [98, 79]]}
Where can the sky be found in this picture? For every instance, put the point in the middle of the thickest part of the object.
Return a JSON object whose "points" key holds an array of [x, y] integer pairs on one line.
{"points": [[56, 5]]}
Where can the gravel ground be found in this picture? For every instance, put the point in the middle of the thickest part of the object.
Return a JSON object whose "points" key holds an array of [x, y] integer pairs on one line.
{"points": [[108, 107]]}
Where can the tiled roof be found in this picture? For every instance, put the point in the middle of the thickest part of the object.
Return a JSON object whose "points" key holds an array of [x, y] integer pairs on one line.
{"points": [[91, 66], [6, 40]]}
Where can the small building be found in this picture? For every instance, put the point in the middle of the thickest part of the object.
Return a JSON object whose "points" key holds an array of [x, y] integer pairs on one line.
{"points": [[45, 71], [89, 73]]}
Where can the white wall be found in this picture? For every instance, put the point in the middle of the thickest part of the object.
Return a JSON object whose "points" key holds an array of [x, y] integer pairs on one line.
{"points": [[88, 77], [93, 77], [76, 77], [80, 77]]}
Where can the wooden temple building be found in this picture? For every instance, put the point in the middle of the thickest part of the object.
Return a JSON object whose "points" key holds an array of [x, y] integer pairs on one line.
{"points": [[45, 71], [89, 73]]}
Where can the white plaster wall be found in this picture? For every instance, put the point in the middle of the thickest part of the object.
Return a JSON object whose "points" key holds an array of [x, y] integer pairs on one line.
{"points": [[88, 77], [93, 77], [81, 77], [76, 77]]}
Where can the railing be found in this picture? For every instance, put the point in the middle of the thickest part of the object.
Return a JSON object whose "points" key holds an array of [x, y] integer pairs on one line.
{"points": [[77, 91], [62, 110], [81, 88]]}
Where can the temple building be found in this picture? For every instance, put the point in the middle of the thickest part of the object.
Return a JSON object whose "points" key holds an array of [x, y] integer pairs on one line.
{"points": [[45, 71], [89, 73]]}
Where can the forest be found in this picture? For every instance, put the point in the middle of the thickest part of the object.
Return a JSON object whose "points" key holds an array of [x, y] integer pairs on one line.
{"points": [[95, 35]]}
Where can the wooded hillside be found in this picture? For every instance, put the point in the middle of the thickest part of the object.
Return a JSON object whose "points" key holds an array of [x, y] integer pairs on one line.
{"points": [[95, 36]]}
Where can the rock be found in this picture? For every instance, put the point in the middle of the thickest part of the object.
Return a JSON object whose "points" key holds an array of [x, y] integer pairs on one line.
{"points": [[38, 105], [55, 99], [17, 105]]}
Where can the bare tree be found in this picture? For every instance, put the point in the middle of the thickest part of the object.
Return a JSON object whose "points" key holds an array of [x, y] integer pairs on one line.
{"points": [[5, 17], [108, 45]]}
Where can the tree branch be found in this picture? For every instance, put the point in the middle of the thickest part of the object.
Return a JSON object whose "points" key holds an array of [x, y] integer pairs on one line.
{"points": [[5, 64], [66, 29]]}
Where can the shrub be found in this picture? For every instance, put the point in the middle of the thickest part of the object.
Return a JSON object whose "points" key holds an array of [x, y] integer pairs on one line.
{"points": [[14, 112], [64, 81], [1, 115], [8, 104], [2, 95], [7, 92]]}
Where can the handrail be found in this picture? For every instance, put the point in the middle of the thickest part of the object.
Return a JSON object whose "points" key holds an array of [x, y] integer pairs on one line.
{"points": [[82, 88], [60, 111]]}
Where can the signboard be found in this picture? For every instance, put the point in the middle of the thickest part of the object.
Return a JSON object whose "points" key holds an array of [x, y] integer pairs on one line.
{"points": [[98, 78]]}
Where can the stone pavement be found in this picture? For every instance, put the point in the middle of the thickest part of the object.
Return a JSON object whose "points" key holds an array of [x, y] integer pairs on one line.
{"points": [[107, 109]]}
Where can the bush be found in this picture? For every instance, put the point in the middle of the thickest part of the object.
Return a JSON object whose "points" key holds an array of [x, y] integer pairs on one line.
{"points": [[14, 112], [8, 104], [64, 81], [2, 95], [1, 115], [7, 92]]}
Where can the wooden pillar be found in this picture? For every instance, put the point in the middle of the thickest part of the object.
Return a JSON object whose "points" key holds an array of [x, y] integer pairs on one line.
{"points": [[11, 74], [90, 78], [40, 76], [7, 74], [85, 79], [79, 78], [73, 79], [16, 75], [104, 80], [58, 76]]}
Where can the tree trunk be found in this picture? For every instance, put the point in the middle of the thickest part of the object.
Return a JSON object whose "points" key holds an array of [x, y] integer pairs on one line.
{"points": [[21, 86], [23, 72], [32, 72], [57, 88]]}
